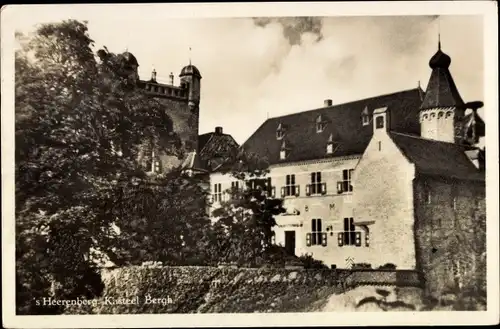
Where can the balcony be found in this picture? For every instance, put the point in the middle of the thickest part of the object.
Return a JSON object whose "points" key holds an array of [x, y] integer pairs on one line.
{"points": [[316, 189], [344, 186], [290, 190], [351, 238]]}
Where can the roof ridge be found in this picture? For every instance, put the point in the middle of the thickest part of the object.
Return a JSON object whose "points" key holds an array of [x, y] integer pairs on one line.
{"points": [[425, 139], [345, 103]]}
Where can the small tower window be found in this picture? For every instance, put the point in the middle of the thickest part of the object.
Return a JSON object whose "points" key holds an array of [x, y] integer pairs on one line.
{"points": [[433, 115], [379, 123], [440, 114], [448, 114], [425, 116]]}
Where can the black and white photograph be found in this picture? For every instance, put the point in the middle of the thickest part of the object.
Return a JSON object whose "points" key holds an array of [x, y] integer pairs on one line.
{"points": [[282, 162]]}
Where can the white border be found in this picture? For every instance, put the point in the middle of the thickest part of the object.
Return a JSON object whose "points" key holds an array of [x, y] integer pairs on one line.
{"points": [[12, 13]]}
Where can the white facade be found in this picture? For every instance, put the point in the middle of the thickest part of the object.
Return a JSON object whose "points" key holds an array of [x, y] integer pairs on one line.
{"points": [[364, 216]]}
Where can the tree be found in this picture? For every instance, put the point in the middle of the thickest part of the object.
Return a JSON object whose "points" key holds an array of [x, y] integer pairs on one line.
{"points": [[80, 124], [166, 222], [244, 226]]}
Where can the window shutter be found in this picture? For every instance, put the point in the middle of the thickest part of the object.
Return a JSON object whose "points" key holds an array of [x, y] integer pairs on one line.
{"points": [[340, 237], [367, 239], [308, 190], [323, 239], [358, 239], [273, 192], [339, 188], [297, 190], [283, 192], [323, 188], [308, 239]]}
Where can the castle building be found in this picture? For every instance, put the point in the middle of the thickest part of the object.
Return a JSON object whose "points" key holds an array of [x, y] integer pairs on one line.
{"points": [[377, 181], [182, 105]]}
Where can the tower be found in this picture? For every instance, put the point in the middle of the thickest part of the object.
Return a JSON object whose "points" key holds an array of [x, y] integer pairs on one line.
{"points": [[190, 81], [130, 66], [442, 109]]}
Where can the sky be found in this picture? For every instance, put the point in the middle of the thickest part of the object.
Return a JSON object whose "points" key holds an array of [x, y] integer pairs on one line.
{"points": [[255, 68]]}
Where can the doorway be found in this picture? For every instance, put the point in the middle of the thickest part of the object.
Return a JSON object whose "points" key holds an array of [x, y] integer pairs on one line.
{"points": [[290, 242]]}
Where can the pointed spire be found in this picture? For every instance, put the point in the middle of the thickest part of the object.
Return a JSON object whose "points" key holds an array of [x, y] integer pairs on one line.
{"points": [[439, 41], [189, 55]]}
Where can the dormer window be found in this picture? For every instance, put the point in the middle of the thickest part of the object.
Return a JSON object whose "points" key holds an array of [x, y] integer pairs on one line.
{"points": [[280, 132], [365, 117], [283, 151], [331, 146], [320, 124]]}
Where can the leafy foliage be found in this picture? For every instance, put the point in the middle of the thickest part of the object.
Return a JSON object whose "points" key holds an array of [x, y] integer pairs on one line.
{"points": [[80, 124], [245, 221]]}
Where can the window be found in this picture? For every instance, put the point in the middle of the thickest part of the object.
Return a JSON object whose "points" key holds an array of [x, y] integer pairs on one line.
{"points": [[345, 184], [262, 184], [349, 237], [280, 132], [235, 186], [317, 236], [329, 148], [366, 120], [427, 195], [217, 196], [283, 154], [316, 186], [379, 122], [380, 146], [320, 124], [290, 188]]}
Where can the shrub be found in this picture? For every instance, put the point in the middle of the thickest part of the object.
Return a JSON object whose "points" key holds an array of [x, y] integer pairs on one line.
{"points": [[387, 266], [361, 266], [309, 262]]}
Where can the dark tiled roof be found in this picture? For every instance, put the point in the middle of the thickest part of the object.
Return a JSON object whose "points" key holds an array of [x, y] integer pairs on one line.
{"points": [[441, 90], [214, 148], [437, 158], [344, 125]]}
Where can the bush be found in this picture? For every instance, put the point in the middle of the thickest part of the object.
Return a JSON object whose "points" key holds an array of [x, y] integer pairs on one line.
{"points": [[361, 266], [387, 266], [309, 262]]}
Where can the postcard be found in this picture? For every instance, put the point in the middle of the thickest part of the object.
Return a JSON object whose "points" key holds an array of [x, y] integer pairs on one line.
{"points": [[249, 164]]}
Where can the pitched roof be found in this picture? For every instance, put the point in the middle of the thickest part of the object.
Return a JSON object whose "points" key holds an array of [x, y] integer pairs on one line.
{"points": [[214, 147], [192, 162], [441, 89], [343, 123], [437, 158]]}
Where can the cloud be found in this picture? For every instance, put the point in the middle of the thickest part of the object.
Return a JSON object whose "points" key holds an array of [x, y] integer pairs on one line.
{"points": [[294, 27]]}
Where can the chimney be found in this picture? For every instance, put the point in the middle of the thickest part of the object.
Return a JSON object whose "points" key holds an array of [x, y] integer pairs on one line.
{"points": [[328, 102], [218, 130], [171, 76], [153, 75]]}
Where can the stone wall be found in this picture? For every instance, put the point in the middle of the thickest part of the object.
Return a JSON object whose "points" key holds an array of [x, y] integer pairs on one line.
{"points": [[192, 289], [453, 207]]}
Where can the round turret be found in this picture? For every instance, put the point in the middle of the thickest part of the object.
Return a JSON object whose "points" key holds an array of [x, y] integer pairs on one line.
{"points": [[130, 59], [190, 70]]}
